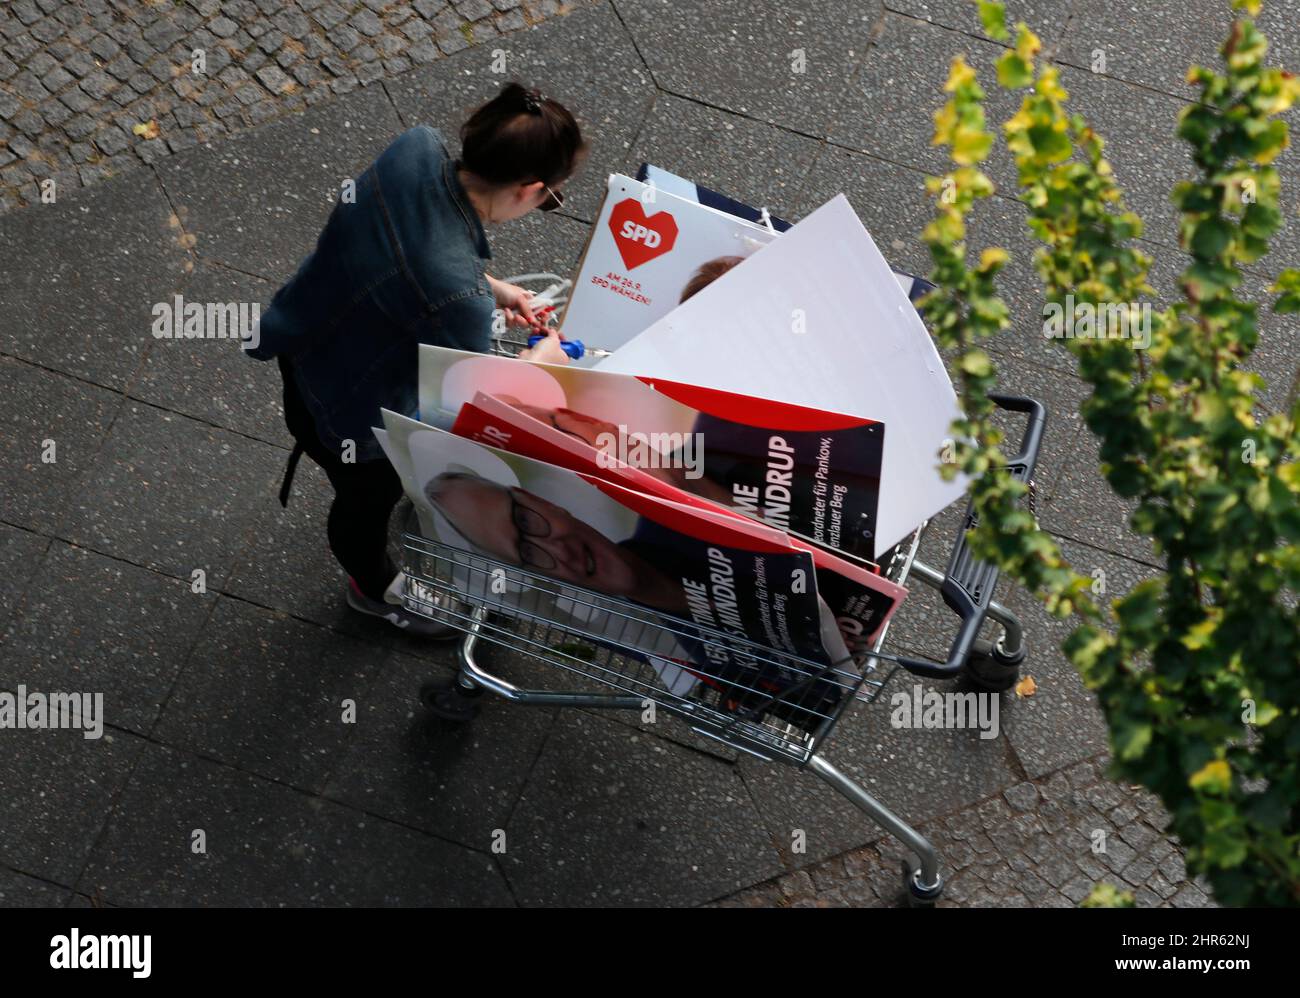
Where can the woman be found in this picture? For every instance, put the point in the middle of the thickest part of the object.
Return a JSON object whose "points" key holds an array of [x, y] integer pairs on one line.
{"points": [[400, 264]]}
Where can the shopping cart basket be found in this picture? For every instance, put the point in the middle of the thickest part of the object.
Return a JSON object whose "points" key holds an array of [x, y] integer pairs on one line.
{"points": [[605, 652]]}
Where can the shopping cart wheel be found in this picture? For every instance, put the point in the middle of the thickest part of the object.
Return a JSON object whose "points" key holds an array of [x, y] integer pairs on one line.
{"points": [[447, 699], [918, 896], [990, 669]]}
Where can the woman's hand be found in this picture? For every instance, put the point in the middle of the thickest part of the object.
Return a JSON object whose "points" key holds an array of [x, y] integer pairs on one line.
{"points": [[548, 351], [515, 303]]}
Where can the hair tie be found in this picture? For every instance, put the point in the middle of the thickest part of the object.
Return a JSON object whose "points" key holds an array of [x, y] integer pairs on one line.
{"points": [[533, 101]]}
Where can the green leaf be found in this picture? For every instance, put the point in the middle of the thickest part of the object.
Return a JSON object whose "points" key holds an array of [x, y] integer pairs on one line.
{"points": [[1288, 283], [1131, 740], [977, 363], [970, 145], [1215, 777], [1210, 238], [993, 16], [1053, 144], [1106, 895], [1013, 71], [1140, 609]]}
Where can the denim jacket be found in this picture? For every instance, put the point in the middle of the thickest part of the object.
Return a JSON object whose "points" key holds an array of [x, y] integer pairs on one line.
{"points": [[403, 265]]}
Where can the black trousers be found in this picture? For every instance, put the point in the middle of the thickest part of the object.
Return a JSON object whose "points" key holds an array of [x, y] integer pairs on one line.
{"points": [[365, 493]]}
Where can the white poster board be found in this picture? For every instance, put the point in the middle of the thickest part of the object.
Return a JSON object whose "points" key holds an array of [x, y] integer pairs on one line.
{"points": [[818, 319], [688, 190], [644, 249]]}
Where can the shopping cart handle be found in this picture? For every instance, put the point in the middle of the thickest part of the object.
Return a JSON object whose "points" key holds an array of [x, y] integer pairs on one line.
{"points": [[968, 584], [1034, 427]]}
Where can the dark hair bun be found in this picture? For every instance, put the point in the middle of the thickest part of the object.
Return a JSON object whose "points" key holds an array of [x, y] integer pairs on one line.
{"points": [[520, 136]]}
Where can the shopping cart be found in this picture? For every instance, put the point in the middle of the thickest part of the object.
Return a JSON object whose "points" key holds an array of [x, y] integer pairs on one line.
{"points": [[604, 652]]}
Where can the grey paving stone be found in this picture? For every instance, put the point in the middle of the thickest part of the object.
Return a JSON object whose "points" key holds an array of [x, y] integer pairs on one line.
{"points": [[1082, 850], [47, 406], [1022, 797], [171, 493], [916, 773], [1117, 855], [755, 162], [21, 552], [1061, 722], [56, 788], [94, 624], [1152, 43], [111, 140], [258, 201], [888, 109], [92, 267], [1138, 127], [56, 79], [610, 95], [273, 78], [290, 568], [267, 846], [743, 57], [1046, 18], [1082, 506], [213, 379], [17, 890], [1140, 870], [345, 37], [265, 693], [891, 201], [367, 23], [79, 63], [612, 818], [456, 781]]}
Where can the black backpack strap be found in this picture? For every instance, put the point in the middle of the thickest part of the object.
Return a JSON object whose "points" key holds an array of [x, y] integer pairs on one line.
{"points": [[289, 469]]}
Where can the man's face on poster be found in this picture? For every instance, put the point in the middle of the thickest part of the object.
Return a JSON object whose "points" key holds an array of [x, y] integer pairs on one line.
{"points": [[522, 529]]}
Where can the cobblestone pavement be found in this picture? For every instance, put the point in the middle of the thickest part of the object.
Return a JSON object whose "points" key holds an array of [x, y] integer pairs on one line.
{"points": [[1032, 846], [89, 88]]}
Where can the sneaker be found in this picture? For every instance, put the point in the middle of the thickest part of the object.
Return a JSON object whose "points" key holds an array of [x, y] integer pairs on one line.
{"points": [[399, 616]]}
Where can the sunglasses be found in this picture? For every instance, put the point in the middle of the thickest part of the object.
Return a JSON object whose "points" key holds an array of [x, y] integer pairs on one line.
{"points": [[553, 200]]}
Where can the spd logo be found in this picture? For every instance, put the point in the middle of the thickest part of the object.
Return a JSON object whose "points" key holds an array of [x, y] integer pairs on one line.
{"points": [[640, 239]]}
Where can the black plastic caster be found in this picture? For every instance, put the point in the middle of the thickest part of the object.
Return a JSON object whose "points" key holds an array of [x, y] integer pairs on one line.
{"points": [[918, 896], [990, 669], [449, 700]]}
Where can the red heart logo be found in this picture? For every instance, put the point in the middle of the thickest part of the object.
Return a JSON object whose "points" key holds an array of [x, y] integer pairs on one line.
{"points": [[640, 239]]}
